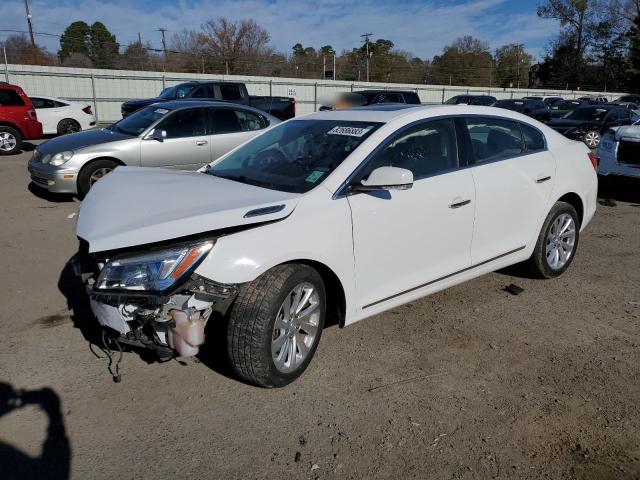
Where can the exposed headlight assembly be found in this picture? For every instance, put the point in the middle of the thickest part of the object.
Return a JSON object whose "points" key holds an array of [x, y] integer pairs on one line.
{"points": [[155, 271], [60, 158]]}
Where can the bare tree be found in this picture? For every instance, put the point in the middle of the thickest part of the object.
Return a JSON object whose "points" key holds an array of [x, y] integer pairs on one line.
{"points": [[235, 42]]}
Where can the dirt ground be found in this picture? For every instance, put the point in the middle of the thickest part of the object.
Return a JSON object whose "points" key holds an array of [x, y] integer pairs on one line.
{"points": [[470, 383]]}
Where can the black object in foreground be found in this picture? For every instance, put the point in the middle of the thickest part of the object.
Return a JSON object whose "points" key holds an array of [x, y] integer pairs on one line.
{"points": [[513, 289]]}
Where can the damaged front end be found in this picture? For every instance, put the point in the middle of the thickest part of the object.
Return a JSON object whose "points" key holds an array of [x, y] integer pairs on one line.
{"points": [[151, 298]]}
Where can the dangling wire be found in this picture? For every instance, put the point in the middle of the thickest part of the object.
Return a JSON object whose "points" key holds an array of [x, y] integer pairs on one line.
{"points": [[117, 377]]}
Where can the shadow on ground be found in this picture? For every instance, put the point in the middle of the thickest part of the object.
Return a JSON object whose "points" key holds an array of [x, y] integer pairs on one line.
{"points": [[618, 189], [50, 197], [54, 461]]}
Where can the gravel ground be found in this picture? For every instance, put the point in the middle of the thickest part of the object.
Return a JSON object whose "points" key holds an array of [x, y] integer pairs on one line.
{"points": [[469, 383]]}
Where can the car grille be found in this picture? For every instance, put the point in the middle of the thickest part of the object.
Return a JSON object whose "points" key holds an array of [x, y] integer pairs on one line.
{"points": [[629, 152], [39, 181]]}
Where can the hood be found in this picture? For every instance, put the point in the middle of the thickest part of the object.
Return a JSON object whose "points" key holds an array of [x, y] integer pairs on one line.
{"points": [[76, 141], [135, 206], [630, 132], [141, 102]]}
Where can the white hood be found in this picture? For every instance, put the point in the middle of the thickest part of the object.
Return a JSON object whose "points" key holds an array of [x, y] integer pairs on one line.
{"points": [[136, 206]]}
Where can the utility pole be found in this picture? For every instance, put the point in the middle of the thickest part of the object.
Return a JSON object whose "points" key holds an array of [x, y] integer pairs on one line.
{"points": [[139, 38], [164, 42], [366, 42], [334, 66], [33, 41], [324, 67]]}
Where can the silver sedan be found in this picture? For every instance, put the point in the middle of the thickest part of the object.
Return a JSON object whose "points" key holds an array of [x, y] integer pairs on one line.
{"points": [[181, 134]]}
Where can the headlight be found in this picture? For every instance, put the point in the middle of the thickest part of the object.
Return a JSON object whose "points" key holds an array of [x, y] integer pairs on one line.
{"points": [[60, 158], [155, 271]]}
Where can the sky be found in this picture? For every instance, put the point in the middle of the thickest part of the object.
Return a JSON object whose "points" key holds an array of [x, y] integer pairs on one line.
{"points": [[420, 27]]}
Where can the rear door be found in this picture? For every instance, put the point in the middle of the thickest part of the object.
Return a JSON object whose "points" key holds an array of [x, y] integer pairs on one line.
{"points": [[186, 145], [229, 127], [514, 174]]}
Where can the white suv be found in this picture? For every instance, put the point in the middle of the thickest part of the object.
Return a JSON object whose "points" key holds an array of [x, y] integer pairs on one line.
{"points": [[337, 215]]}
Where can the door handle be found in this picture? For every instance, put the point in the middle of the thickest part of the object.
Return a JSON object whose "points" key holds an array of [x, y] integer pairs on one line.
{"points": [[459, 204], [201, 142], [543, 179]]}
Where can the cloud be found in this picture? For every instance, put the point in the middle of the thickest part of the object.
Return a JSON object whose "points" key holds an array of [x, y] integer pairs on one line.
{"points": [[420, 27]]}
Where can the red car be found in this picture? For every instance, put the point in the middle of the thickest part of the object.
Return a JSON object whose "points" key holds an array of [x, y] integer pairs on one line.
{"points": [[18, 120]]}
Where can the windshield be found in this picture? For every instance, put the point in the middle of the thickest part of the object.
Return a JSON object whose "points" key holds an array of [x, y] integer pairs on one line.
{"points": [[139, 121], [295, 156], [510, 105], [179, 91], [592, 114]]}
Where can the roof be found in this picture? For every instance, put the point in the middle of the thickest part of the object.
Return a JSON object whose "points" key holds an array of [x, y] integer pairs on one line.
{"points": [[192, 103], [384, 112]]}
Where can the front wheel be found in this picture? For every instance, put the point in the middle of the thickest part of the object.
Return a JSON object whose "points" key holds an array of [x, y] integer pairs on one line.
{"points": [[93, 172], [592, 139], [275, 325], [557, 242]]}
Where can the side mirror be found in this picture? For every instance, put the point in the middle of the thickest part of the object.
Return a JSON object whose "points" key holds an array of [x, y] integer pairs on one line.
{"points": [[386, 178], [159, 135]]}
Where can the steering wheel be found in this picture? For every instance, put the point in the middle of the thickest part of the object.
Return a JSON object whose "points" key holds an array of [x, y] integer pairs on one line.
{"points": [[267, 159]]}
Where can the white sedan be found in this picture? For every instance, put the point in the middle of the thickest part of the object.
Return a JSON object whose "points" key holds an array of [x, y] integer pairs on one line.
{"points": [[60, 117], [335, 216]]}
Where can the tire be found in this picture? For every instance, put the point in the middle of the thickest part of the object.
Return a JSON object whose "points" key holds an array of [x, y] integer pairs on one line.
{"points": [[10, 141], [540, 264], [252, 348], [88, 174], [592, 139], [68, 125]]}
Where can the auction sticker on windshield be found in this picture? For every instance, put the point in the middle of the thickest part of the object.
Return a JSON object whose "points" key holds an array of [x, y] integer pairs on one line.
{"points": [[349, 131]]}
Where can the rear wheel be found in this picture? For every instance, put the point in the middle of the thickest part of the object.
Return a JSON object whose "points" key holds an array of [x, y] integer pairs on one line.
{"points": [[93, 172], [557, 242], [68, 125], [592, 139], [275, 325], [10, 140]]}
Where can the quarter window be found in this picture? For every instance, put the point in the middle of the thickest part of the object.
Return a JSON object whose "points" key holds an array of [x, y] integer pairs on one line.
{"points": [[425, 149], [533, 138], [494, 139], [184, 123], [250, 121]]}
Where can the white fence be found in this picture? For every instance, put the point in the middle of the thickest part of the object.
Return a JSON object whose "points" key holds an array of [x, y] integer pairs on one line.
{"points": [[107, 89]]}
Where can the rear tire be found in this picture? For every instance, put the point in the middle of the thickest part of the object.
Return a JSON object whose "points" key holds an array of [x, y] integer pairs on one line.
{"points": [[260, 339], [10, 141], [68, 125], [92, 173], [557, 242]]}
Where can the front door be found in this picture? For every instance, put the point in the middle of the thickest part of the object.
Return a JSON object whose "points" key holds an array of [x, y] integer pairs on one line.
{"points": [[407, 239], [186, 145]]}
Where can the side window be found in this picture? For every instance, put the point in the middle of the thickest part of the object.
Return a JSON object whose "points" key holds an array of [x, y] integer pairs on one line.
{"points": [[250, 121], [10, 98], [223, 120], [425, 149], [230, 92], [60, 104], [533, 138], [184, 123], [411, 97], [37, 102], [494, 139], [204, 91]]}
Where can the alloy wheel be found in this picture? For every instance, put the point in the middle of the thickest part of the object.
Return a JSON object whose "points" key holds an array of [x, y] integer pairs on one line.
{"points": [[69, 126], [296, 327], [592, 139], [98, 174], [561, 241], [8, 141]]}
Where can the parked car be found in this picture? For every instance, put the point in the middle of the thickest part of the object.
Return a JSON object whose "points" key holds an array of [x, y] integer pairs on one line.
{"points": [[560, 109], [371, 97], [62, 116], [338, 216], [282, 108], [629, 98], [18, 119], [480, 100], [629, 105], [548, 100], [619, 151], [594, 99], [588, 123], [184, 135], [532, 108]]}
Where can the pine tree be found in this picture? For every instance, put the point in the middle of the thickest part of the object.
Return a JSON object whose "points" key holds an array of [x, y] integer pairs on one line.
{"points": [[634, 55], [75, 39], [103, 48]]}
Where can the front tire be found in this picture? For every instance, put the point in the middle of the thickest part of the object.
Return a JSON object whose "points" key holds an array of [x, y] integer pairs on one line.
{"points": [[10, 141], [275, 325], [93, 172], [557, 242]]}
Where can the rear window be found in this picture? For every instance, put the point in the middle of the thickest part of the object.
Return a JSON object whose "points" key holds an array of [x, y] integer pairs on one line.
{"points": [[230, 92], [10, 98]]}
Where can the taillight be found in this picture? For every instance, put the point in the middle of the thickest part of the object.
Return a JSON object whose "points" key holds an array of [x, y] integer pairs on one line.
{"points": [[32, 114], [594, 160], [293, 101], [87, 110]]}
